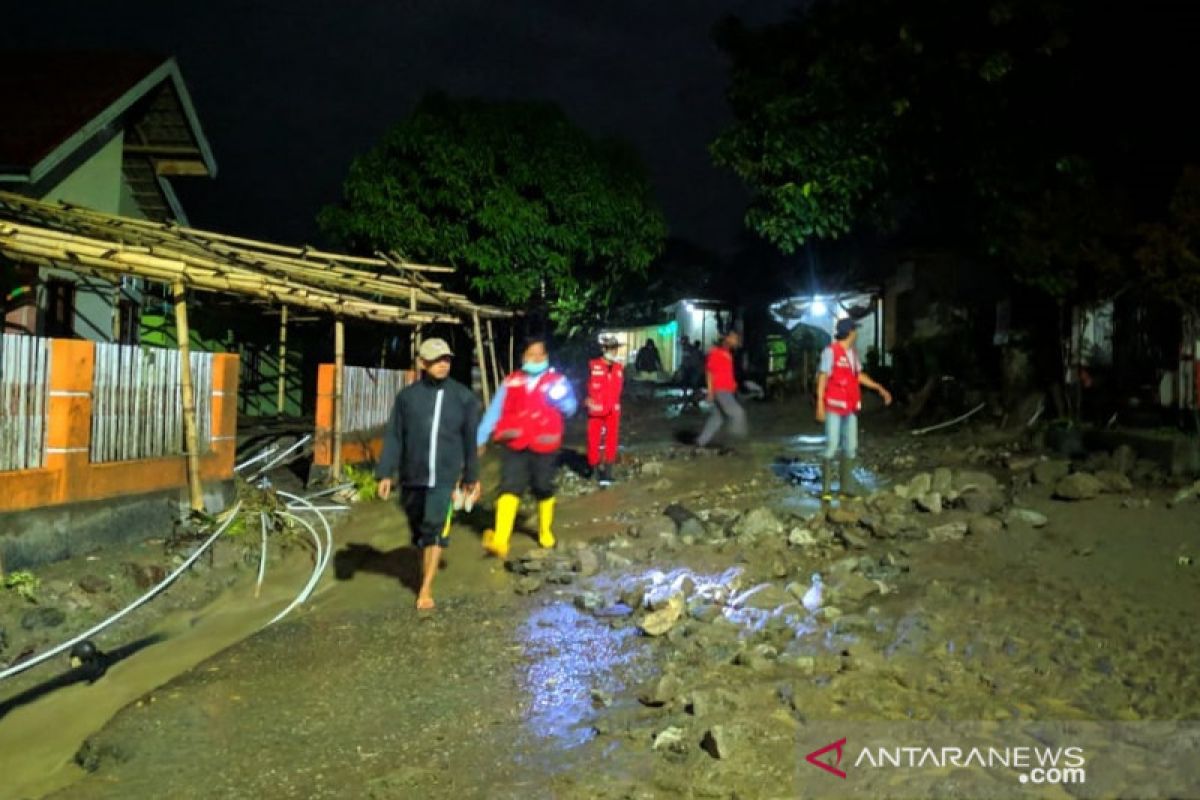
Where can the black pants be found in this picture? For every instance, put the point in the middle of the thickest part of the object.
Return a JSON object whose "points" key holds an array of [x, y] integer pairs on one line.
{"points": [[525, 469], [427, 510]]}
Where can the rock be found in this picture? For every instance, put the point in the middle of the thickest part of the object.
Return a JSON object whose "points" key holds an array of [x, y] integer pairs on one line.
{"points": [[1184, 495], [1025, 516], [3, 640], [710, 702], [843, 516], [45, 617], [759, 658], [601, 698], [145, 576], [718, 742], [1079, 486], [527, 584], [1114, 482], [801, 537], [853, 540], [1136, 502], [921, 483], [661, 692], [950, 532], [805, 665], [95, 584], [975, 480], [659, 622], [1021, 463], [766, 597], [1051, 472], [1124, 459], [942, 481], [852, 623], [693, 529], [853, 589], [586, 562], [617, 561], [887, 503], [1146, 471], [930, 502], [655, 527], [828, 613], [981, 501], [651, 468], [758, 522], [984, 526], [670, 740], [589, 601]]}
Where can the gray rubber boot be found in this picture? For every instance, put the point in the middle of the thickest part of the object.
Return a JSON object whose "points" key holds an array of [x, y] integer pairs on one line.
{"points": [[827, 479], [849, 486]]}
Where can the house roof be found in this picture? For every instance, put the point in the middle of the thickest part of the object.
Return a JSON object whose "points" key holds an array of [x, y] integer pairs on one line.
{"points": [[57, 103]]}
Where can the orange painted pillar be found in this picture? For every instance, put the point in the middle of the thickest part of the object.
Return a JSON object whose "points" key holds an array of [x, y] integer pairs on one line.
{"points": [[323, 435], [224, 415], [69, 413]]}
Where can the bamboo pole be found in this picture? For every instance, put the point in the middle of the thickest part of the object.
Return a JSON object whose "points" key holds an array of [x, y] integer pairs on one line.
{"points": [[191, 439], [491, 332], [483, 376], [339, 362], [282, 395]]}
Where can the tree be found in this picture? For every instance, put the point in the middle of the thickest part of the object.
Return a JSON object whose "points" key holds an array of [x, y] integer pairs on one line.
{"points": [[526, 205], [1169, 256]]}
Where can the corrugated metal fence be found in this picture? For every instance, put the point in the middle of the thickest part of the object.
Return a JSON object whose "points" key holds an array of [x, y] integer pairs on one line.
{"points": [[24, 397], [368, 395], [137, 402]]}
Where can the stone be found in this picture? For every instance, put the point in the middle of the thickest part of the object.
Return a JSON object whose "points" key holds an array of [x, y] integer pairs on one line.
{"points": [[1114, 482], [659, 622], [661, 692], [950, 532], [1021, 463], [984, 526], [718, 742], [661, 485], [651, 468], [981, 501], [1026, 516], [710, 702], [1051, 472], [930, 502], [655, 527], [828, 613], [1184, 495], [942, 481], [589, 601], [1124, 459], [853, 540], [801, 537], [765, 598], [920, 483], [1078, 486], [617, 561], [670, 740], [853, 589], [843, 516], [45, 617], [586, 562], [693, 529], [144, 576], [805, 665], [95, 584], [975, 480], [887, 503], [758, 522], [527, 584]]}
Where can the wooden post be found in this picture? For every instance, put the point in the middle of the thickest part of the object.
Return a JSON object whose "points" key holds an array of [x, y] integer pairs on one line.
{"points": [[282, 395], [414, 338], [339, 362], [483, 376], [492, 349], [190, 437]]}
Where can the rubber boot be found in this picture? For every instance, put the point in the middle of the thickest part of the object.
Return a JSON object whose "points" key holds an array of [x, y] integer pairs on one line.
{"points": [[827, 480], [606, 478], [495, 541], [849, 485], [546, 523]]}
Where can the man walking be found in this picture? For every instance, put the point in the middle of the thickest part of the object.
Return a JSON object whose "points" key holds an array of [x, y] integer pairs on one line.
{"points": [[839, 400], [430, 441], [606, 376], [722, 391], [526, 417]]}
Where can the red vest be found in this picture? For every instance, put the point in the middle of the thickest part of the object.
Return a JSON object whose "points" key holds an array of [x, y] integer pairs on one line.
{"points": [[528, 420], [605, 379], [842, 392]]}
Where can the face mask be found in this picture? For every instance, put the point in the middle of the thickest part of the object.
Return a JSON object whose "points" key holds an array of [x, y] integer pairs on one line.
{"points": [[610, 356], [535, 367]]}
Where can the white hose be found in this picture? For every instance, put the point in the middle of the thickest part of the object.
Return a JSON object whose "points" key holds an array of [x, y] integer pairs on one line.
{"points": [[281, 456], [950, 422], [262, 558], [316, 573], [328, 530], [24, 665], [294, 507], [266, 452], [330, 490]]}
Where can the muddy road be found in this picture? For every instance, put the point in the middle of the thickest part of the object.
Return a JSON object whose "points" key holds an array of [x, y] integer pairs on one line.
{"points": [[661, 656]]}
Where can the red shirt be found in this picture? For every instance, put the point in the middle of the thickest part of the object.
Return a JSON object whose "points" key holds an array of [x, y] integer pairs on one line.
{"points": [[720, 369]]}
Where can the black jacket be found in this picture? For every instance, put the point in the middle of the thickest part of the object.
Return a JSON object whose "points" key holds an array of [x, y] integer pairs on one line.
{"points": [[410, 446]]}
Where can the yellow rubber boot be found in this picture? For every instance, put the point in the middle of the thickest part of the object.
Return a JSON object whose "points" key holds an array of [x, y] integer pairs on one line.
{"points": [[546, 523], [495, 541]]}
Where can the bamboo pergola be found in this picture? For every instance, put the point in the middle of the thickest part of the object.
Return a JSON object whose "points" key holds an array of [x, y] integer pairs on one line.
{"points": [[385, 289]]}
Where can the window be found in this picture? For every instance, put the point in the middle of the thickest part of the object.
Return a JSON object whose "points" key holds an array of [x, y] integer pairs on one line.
{"points": [[128, 321], [60, 308]]}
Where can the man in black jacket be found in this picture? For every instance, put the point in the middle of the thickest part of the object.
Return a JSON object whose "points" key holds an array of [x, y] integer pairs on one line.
{"points": [[430, 440]]}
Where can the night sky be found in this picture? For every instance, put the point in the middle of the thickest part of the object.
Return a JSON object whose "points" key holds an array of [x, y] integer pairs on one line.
{"points": [[289, 92]]}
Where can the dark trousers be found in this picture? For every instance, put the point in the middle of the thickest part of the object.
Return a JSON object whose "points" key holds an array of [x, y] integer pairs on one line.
{"points": [[427, 510], [525, 469]]}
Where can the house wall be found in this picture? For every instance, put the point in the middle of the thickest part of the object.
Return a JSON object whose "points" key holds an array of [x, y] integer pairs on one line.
{"points": [[97, 185]]}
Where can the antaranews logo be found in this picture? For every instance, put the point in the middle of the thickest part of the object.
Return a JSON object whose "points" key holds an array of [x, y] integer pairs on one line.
{"points": [[814, 757]]}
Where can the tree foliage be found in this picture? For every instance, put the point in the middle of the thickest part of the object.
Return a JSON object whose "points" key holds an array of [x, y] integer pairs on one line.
{"points": [[526, 205], [1169, 256]]}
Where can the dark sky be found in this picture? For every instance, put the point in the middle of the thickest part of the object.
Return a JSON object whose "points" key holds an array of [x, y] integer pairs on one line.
{"points": [[288, 92]]}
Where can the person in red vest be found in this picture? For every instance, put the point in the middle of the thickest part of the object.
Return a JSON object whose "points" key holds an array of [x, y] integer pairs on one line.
{"points": [[526, 417], [606, 377], [722, 390], [839, 399]]}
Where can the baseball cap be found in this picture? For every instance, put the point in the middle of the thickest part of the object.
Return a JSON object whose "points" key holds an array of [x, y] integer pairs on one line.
{"points": [[609, 341], [433, 349], [844, 326]]}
